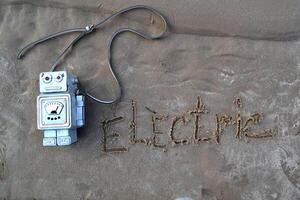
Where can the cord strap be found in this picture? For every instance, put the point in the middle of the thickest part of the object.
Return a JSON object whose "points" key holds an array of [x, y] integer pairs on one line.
{"points": [[92, 28]]}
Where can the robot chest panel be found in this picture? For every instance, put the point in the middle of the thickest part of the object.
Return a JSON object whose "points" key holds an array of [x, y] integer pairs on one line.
{"points": [[53, 111]]}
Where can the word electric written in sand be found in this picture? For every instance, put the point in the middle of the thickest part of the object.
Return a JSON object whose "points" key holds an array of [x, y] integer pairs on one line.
{"points": [[242, 126]]}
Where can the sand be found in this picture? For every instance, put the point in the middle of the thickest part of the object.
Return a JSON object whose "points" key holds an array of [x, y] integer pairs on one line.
{"points": [[215, 50]]}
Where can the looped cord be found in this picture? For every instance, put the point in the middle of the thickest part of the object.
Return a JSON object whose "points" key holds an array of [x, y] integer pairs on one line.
{"points": [[89, 29]]}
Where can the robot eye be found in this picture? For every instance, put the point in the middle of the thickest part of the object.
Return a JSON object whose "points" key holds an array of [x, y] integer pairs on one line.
{"points": [[47, 78], [59, 77]]}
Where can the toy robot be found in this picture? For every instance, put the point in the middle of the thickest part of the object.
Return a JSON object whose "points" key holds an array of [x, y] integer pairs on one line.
{"points": [[60, 108], [60, 111]]}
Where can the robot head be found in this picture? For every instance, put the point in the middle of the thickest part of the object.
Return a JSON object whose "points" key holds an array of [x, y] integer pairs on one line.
{"points": [[53, 82]]}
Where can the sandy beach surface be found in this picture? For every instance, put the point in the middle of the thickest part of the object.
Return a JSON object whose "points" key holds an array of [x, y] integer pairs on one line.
{"points": [[240, 58]]}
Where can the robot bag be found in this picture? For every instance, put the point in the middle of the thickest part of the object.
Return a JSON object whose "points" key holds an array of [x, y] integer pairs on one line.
{"points": [[60, 111], [60, 106]]}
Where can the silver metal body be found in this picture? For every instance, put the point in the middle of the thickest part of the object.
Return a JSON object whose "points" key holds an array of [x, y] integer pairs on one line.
{"points": [[60, 111]]}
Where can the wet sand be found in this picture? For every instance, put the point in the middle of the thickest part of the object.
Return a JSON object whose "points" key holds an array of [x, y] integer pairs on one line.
{"points": [[218, 51]]}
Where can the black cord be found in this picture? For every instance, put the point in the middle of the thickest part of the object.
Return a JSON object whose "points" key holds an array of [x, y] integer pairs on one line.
{"points": [[89, 29]]}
